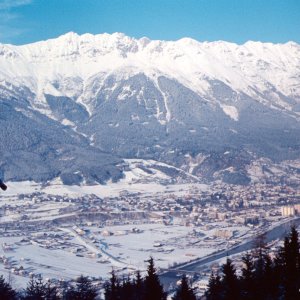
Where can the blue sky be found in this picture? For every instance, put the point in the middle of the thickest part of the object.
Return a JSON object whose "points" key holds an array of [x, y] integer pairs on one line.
{"points": [[24, 21]]}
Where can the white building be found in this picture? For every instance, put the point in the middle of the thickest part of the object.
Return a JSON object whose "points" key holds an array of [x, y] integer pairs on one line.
{"points": [[287, 211]]}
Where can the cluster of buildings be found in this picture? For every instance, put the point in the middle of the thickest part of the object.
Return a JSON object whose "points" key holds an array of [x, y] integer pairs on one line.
{"points": [[290, 210], [38, 216]]}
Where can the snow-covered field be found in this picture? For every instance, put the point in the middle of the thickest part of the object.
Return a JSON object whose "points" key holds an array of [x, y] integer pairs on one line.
{"points": [[58, 264], [109, 190], [67, 254], [167, 244]]}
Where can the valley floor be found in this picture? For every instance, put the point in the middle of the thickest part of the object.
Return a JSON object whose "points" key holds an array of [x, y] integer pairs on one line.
{"points": [[61, 232]]}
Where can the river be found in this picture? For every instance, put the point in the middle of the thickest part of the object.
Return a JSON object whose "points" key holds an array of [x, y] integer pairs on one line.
{"points": [[278, 232]]}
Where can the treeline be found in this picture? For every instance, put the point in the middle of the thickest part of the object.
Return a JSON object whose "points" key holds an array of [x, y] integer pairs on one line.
{"points": [[139, 288], [262, 277], [148, 287]]}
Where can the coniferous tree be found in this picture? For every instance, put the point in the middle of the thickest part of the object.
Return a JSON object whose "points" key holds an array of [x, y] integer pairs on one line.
{"points": [[291, 267], [138, 287], [230, 283], [294, 246], [112, 288], [184, 291], [84, 290], [247, 280], [259, 273], [37, 289], [259, 254], [262, 277], [6, 291], [214, 289], [51, 292], [259, 243], [127, 289], [279, 266], [269, 279], [153, 288]]}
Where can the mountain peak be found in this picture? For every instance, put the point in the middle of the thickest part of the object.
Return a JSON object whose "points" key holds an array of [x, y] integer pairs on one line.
{"points": [[248, 67], [150, 97], [73, 36], [119, 36], [69, 35]]}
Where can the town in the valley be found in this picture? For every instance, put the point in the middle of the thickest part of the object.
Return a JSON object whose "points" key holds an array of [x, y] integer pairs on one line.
{"points": [[59, 233]]}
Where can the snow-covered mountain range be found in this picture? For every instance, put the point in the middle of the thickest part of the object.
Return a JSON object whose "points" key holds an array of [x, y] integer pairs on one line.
{"points": [[75, 106]]}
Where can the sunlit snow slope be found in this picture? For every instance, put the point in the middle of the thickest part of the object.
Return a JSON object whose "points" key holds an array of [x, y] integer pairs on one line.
{"points": [[182, 102]]}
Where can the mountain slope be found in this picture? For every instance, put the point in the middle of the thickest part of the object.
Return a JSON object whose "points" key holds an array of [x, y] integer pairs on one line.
{"points": [[168, 101]]}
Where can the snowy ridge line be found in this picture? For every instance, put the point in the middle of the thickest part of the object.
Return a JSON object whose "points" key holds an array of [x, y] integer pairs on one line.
{"points": [[250, 67]]}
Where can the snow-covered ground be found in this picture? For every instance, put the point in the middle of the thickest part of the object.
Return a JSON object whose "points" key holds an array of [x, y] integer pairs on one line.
{"points": [[248, 67], [66, 254], [167, 244], [109, 190], [69, 254], [65, 231], [50, 263]]}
